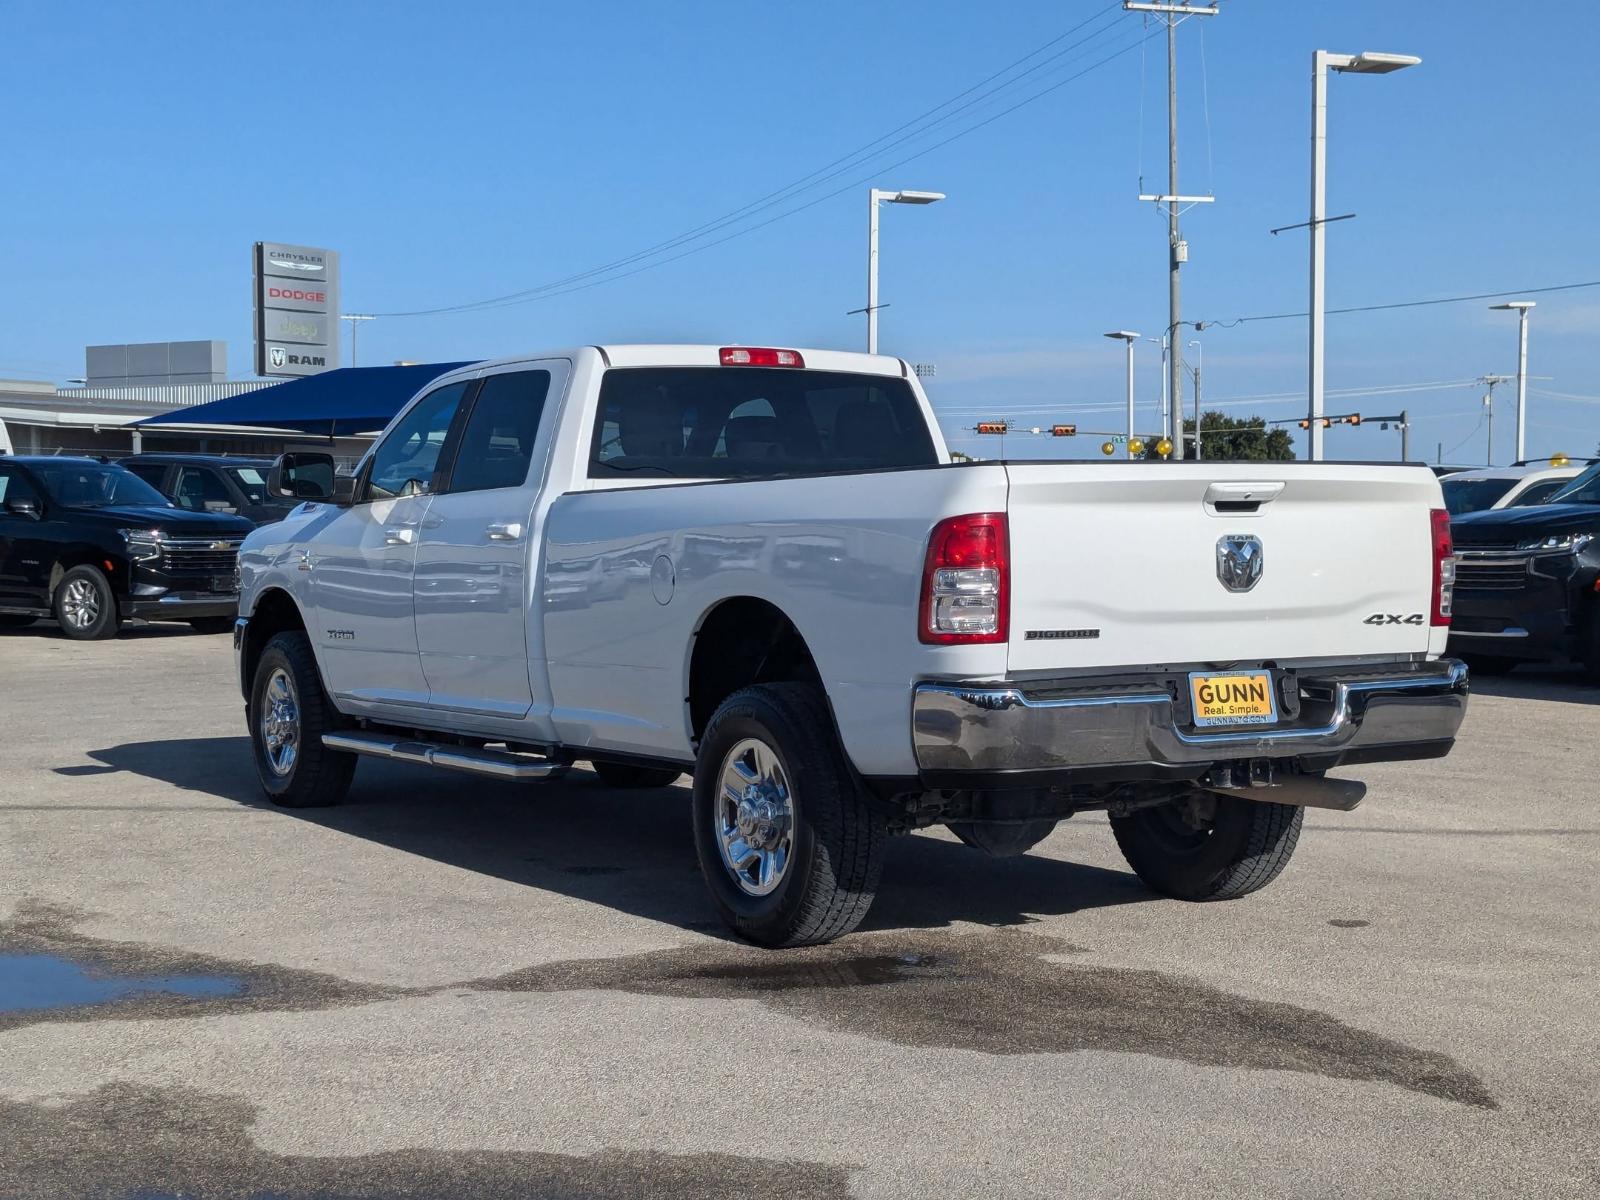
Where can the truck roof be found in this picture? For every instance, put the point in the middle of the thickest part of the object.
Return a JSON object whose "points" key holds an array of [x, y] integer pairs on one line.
{"points": [[705, 355]]}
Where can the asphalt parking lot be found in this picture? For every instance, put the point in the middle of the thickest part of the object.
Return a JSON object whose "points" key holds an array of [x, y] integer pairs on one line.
{"points": [[452, 987]]}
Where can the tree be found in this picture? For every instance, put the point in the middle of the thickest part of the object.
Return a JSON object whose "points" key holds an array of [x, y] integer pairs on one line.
{"points": [[1238, 439]]}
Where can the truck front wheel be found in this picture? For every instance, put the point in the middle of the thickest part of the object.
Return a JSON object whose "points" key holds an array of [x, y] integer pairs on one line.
{"points": [[1207, 846], [288, 714], [790, 849]]}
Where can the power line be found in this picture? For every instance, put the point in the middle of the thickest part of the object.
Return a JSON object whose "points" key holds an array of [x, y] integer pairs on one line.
{"points": [[1560, 287], [919, 126]]}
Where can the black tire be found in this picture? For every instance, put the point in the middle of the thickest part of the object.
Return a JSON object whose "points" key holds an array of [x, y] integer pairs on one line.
{"points": [[1002, 841], [1589, 644], [16, 620], [315, 777], [85, 606], [626, 775], [210, 625], [835, 843], [1244, 847], [1489, 665]]}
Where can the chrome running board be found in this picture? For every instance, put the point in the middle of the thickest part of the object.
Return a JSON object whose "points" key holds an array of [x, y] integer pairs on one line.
{"points": [[498, 764]]}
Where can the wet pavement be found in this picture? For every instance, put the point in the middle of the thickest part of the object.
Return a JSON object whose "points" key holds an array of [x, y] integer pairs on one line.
{"points": [[448, 988]]}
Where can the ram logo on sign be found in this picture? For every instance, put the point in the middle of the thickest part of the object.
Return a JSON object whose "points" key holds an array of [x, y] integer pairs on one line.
{"points": [[296, 309]]}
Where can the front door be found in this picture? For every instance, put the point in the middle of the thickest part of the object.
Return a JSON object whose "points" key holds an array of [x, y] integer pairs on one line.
{"points": [[362, 561], [471, 582]]}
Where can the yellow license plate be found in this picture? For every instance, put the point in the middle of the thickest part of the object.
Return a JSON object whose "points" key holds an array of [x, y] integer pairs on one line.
{"points": [[1244, 698]]}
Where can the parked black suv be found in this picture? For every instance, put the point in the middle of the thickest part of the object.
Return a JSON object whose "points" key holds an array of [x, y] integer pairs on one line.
{"points": [[1526, 581], [91, 544], [213, 483]]}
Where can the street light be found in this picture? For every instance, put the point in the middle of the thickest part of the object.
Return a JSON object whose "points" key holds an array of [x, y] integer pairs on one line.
{"points": [[1322, 61], [1200, 357], [1128, 336], [879, 196], [1520, 307]]}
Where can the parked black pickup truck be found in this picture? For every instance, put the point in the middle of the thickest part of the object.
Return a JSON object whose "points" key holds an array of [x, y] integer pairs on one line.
{"points": [[91, 544], [1526, 581], [213, 483]]}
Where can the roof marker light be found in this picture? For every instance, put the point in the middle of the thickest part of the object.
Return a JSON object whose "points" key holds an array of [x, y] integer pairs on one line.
{"points": [[760, 356]]}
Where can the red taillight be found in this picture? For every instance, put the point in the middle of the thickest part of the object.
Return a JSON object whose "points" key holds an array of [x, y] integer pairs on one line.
{"points": [[966, 582], [1444, 567], [760, 356]]}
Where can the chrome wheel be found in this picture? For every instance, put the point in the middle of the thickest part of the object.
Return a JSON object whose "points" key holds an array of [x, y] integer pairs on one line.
{"points": [[754, 817], [280, 723], [80, 604]]}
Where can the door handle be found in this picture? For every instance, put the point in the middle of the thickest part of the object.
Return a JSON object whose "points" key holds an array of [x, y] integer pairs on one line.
{"points": [[402, 536], [505, 531]]}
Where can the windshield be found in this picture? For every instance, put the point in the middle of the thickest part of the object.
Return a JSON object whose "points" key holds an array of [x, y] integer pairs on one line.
{"points": [[1585, 489], [252, 482], [96, 485], [1472, 495]]}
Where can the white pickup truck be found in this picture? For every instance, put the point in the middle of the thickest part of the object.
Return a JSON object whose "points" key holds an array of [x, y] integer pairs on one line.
{"points": [[760, 566]]}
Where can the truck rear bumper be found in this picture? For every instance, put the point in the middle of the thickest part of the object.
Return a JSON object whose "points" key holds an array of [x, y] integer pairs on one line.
{"points": [[1136, 730]]}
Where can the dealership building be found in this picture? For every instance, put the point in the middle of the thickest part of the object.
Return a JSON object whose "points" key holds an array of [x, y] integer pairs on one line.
{"points": [[126, 384]]}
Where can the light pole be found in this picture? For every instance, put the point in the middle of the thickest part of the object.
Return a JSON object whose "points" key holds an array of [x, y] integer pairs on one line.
{"points": [[1520, 307], [355, 320], [1200, 357], [1366, 63], [878, 196], [1129, 337]]}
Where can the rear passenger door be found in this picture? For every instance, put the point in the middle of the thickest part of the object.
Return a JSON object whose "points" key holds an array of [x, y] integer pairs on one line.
{"points": [[474, 553]]}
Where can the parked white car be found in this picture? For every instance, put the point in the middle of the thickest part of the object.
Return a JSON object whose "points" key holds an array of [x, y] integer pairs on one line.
{"points": [[1504, 487], [761, 566]]}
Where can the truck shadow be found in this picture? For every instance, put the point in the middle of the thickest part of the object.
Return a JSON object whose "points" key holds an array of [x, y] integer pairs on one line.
{"points": [[1565, 685], [628, 850]]}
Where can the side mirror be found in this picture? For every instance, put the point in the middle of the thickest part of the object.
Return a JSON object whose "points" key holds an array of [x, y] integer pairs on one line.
{"points": [[23, 507], [302, 475]]}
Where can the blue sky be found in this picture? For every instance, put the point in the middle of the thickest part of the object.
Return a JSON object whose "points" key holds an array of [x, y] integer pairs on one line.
{"points": [[456, 152]]}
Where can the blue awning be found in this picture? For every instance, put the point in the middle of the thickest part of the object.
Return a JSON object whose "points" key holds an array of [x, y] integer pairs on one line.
{"points": [[336, 403]]}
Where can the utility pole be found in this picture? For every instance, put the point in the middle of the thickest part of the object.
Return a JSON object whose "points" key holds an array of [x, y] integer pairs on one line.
{"points": [[1200, 360], [1520, 307], [1488, 408], [1177, 248], [355, 320]]}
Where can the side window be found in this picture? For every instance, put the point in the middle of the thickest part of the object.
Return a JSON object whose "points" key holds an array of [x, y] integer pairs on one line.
{"points": [[497, 443], [404, 462], [152, 473], [200, 490], [1540, 492], [15, 486]]}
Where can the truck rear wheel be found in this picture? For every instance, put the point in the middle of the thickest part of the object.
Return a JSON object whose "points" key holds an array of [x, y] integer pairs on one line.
{"points": [[288, 714], [1208, 846], [790, 849]]}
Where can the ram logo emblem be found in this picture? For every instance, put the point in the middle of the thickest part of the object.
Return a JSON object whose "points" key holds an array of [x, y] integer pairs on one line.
{"points": [[1240, 561]]}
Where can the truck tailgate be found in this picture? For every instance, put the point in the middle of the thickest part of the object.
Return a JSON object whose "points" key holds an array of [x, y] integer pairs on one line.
{"points": [[1118, 564]]}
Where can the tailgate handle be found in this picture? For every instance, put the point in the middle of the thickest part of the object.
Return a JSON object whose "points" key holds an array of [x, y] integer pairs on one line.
{"points": [[1234, 499]]}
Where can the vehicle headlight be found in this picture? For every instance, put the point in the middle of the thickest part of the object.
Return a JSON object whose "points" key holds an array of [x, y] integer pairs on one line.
{"points": [[1572, 543], [143, 544]]}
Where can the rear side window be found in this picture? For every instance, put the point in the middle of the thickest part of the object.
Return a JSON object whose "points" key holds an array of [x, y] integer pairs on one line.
{"points": [[746, 422], [497, 444]]}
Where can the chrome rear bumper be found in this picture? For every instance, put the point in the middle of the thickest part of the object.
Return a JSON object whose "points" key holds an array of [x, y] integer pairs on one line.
{"points": [[1015, 728]]}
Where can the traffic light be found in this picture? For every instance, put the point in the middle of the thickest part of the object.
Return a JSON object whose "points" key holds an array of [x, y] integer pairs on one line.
{"points": [[1353, 419], [1063, 431], [1325, 422], [991, 426]]}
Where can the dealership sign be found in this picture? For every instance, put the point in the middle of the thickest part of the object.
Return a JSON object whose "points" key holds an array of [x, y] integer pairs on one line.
{"points": [[296, 309]]}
